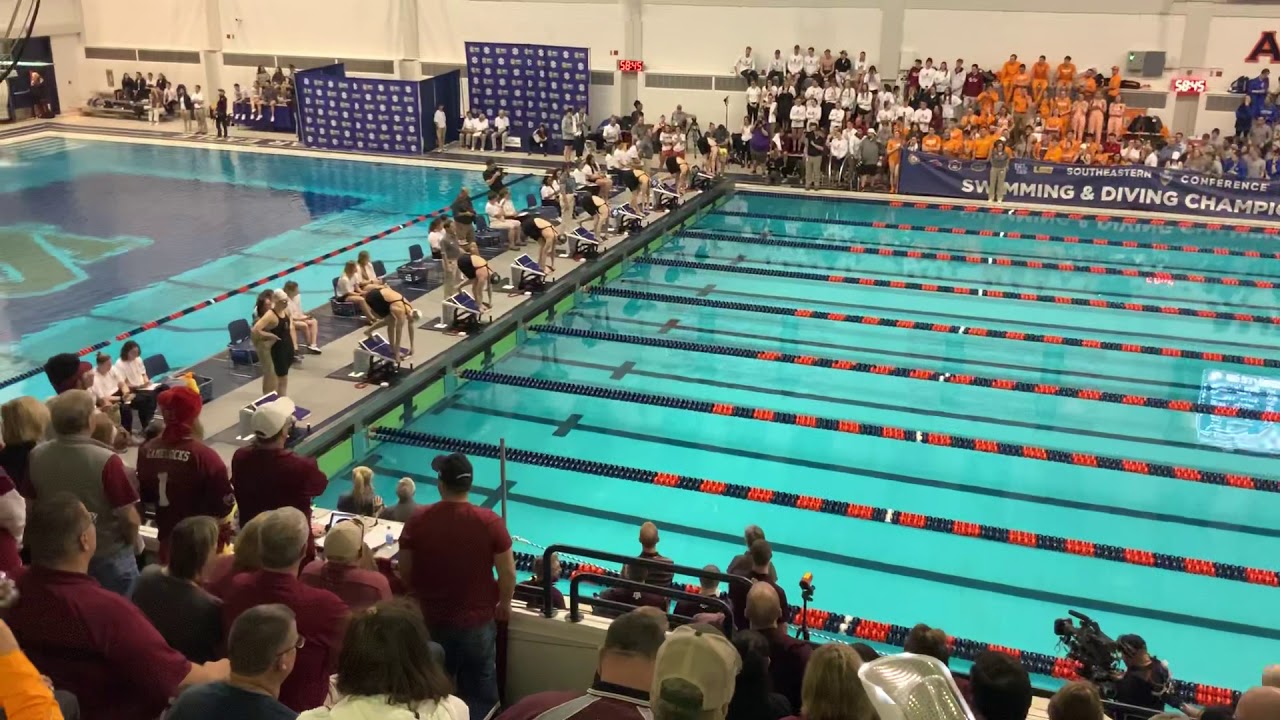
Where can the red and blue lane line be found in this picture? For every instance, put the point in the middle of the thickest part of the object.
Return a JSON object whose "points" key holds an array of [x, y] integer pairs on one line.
{"points": [[845, 625], [922, 374], [906, 324], [997, 260], [1048, 214], [889, 432], [966, 290], [947, 526]]}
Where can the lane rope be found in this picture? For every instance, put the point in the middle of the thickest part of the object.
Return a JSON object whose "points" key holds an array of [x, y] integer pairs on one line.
{"points": [[889, 432], [906, 324], [919, 374], [1000, 260], [1201, 313], [1027, 212]]}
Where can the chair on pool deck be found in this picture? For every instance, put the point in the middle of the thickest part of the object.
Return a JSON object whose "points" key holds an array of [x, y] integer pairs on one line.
{"points": [[240, 347], [417, 272], [487, 236], [156, 366], [340, 307], [548, 212]]}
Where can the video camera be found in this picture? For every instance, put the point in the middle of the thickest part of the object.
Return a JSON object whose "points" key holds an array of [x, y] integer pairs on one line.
{"points": [[1098, 654]]}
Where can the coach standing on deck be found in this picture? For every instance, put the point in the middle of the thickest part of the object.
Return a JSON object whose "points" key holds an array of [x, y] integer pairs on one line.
{"points": [[464, 219]]}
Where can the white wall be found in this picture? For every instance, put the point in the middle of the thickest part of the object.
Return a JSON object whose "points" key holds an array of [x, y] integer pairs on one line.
{"points": [[154, 24], [56, 17], [1230, 40], [451, 23], [693, 39], [324, 28]]}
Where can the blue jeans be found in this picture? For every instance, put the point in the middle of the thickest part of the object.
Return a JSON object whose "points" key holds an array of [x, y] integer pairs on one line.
{"points": [[115, 572], [471, 657]]}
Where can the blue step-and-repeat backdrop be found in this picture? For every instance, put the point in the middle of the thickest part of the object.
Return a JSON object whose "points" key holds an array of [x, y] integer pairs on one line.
{"points": [[365, 115], [535, 84]]}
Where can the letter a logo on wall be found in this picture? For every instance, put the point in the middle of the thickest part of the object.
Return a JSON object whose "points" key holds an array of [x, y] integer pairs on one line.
{"points": [[1265, 47]]}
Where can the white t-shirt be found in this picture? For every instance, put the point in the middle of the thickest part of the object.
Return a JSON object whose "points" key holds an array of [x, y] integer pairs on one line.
{"points": [[795, 64], [295, 307], [812, 113], [864, 101], [627, 158], [886, 116], [746, 62], [886, 99], [501, 123], [1152, 160], [835, 117], [132, 372], [957, 81], [105, 384], [942, 81], [667, 139], [493, 209], [482, 124], [776, 65], [848, 98], [753, 95], [813, 92], [797, 116], [927, 75], [873, 80], [436, 236], [830, 94], [346, 285], [810, 64], [440, 119], [922, 118], [469, 125], [610, 132], [860, 65], [197, 100], [839, 147]]}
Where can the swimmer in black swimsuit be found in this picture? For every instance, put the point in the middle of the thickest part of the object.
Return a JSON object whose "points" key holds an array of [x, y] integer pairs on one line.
{"points": [[541, 230], [274, 342], [679, 170], [637, 181], [476, 269], [390, 308], [599, 211]]}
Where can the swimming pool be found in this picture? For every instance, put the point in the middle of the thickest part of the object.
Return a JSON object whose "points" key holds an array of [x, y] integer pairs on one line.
{"points": [[100, 237], [865, 411]]}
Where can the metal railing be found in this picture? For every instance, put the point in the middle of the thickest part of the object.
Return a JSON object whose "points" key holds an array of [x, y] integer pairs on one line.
{"points": [[575, 598]]}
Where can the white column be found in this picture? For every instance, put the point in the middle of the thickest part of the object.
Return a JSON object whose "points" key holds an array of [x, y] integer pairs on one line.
{"points": [[211, 54], [893, 16], [1195, 43], [632, 17], [409, 67]]}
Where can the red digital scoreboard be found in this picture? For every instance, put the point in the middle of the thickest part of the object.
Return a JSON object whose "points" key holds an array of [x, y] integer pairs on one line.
{"points": [[631, 66], [1188, 85]]}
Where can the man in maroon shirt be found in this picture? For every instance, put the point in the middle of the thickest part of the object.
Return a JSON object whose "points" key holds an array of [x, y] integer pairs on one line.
{"points": [[178, 474], [340, 572], [266, 476], [649, 550], [448, 553], [634, 598], [761, 564], [90, 641], [625, 674], [321, 615], [788, 657]]}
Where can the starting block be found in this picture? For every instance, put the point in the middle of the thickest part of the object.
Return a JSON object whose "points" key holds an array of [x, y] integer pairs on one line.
{"points": [[665, 195], [582, 242], [701, 179], [626, 218], [374, 360], [459, 312], [526, 276], [244, 430]]}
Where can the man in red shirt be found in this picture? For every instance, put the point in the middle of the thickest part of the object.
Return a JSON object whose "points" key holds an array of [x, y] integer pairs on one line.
{"points": [[448, 553], [788, 657], [761, 564], [90, 641], [340, 572], [649, 550], [634, 598], [178, 474], [625, 675], [266, 476], [321, 615]]}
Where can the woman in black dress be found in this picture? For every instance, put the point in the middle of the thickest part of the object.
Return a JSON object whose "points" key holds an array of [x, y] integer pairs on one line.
{"points": [[274, 342]]}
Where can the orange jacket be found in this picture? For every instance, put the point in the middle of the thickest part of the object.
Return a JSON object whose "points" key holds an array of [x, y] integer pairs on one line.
{"points": [[1009, 70], [1040, 71], [25, 695], [1066, 72], [931, 143]]}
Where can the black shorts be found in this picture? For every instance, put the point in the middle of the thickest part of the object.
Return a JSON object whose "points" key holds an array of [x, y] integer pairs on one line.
{"points": [[868, 169], [673, 165]]}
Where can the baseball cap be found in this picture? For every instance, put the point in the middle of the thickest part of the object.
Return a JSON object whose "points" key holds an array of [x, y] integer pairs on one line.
{"points": [[695, 657], [454, 470], [64, 371], [272, 417], [344, 541]]}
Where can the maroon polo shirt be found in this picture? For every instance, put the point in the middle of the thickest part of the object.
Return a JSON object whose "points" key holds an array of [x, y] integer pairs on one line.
{"points": [[632, 598], [322, 621], [95, 644], [269, 478], [604, 701], [738, 598], [357, 587], [452, 545], [658, 576], [788, 658], [182, 479]]}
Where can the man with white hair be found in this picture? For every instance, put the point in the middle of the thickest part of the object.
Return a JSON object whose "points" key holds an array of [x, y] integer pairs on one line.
{"points": [[321, 615], [75, 463], [405, 504]]}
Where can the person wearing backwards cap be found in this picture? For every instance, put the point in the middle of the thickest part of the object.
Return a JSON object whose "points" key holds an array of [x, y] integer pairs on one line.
{"points": [[448, 554], [624, 675], [340, 572], [66, 371], [694, 675], [265, 475], [178, 474]]}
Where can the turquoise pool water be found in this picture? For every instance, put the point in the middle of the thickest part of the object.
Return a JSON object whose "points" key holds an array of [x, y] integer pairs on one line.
{"points": [[1209, 629], [99, 237]]}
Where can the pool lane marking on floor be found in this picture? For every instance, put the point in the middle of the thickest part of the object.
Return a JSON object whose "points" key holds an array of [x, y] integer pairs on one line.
{"points": [[889, 432], [932, 313], [580, 311], [902, 478], [621, 371], [985, 259], [906, 324], [668, 326], [965, 290], [1023, 212], [568, 425], [922, 374], [941, 525], [842, 242]]}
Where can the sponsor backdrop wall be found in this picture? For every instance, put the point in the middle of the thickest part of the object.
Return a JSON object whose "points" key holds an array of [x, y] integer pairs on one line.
{"points": [[359, 114], [534, 84]]}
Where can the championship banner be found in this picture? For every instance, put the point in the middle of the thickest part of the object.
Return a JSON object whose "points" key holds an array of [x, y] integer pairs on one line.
{"points": [[535, 84], [341, 113], [1119, 187]]}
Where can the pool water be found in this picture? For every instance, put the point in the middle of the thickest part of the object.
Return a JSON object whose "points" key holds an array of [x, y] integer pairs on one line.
{"points": [[1210, 629], [99, 237]]}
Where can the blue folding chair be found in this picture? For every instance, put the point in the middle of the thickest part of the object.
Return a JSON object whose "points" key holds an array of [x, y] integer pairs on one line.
{"points": [[487, 236], [340, 307], [240, 347]]}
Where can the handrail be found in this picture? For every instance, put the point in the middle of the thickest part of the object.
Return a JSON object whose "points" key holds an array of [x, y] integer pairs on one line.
{"points": [[575, 598], [359, 415], [548, 610]]}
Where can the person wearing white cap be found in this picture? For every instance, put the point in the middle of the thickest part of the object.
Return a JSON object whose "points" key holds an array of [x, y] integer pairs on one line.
{"points": [[273, 336], [694, 675]]}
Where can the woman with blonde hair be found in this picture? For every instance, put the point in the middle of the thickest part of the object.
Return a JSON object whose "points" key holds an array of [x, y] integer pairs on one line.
{"points": [[246, 556], [362, 500], [24, 422], [832, 689]]}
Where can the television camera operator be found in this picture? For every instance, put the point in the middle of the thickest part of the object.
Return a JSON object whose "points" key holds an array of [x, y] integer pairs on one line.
{"points": [[1145, 681]]}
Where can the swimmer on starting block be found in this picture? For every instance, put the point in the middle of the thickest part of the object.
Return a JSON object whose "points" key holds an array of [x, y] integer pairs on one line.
{"points": [[679, 170], [540, 229], [633, 176], [598, 209], [390, 308], [477, 270]]}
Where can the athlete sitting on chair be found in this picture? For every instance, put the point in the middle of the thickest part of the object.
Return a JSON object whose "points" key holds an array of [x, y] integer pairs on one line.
{"points": [[540, 229], [390, 308]]}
